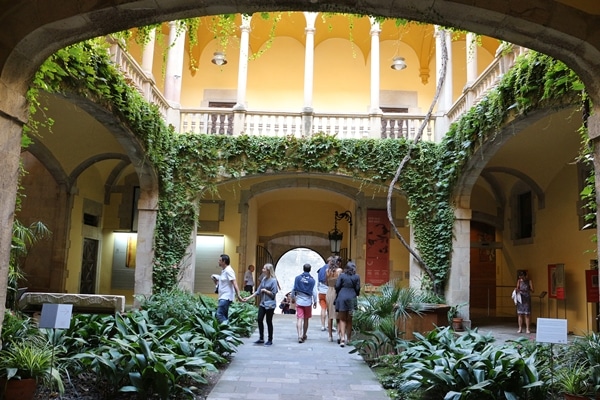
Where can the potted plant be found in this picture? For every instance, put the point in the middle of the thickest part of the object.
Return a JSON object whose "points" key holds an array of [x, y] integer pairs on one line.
{"points": [[573, 382], [26, 358], [454, 318], [23, 365]]}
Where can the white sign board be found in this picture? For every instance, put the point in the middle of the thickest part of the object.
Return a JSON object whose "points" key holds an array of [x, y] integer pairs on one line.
{"points": [[56, 316], [551, 330]]}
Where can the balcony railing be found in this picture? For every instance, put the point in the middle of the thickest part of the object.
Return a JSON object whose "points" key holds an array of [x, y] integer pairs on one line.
{"points": [[488, 80], [217, 121], [345, 126]]}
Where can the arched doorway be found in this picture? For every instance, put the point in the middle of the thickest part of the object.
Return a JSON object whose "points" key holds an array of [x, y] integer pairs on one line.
{"points": [[290, 265]]}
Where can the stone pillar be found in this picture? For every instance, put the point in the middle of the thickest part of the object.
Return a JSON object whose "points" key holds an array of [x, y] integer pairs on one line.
{"points": [[187, 274], [457, 287], [593, 124], [174, 69], [13, 111], [471, 58], [375, 112], [147, 211], [239, 110], [148, 54], [445, 99], [309, 61]]}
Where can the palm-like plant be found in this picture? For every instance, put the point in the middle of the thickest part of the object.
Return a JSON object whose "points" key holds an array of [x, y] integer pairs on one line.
{"points": [[23, 237], [377, 314]]}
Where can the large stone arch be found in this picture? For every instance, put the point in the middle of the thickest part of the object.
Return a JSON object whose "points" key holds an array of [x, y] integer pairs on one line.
{"points": [[293, 239], [34, 30]]}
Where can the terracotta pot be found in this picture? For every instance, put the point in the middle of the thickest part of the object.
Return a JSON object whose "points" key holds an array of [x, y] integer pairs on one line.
{"points": [[18, 389], [457, 324], [574, 397]]}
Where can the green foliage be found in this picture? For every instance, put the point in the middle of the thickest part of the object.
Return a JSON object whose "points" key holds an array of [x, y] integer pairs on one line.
{"points": [[26, 353], [442, 365], [189, 164], [23, 237], [376, 319], [164, 350]]}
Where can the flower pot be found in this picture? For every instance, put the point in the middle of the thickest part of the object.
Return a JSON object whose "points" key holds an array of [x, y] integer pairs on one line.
{"points": [[457, 324], [568, 396], [18, 389]]}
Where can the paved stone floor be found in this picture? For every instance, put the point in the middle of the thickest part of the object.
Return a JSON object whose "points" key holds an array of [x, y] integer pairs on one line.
{"points": [[316, 369]]}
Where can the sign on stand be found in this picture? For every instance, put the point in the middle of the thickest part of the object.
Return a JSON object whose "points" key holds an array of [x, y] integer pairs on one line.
{"points": [[551, 330], [56, 316]]}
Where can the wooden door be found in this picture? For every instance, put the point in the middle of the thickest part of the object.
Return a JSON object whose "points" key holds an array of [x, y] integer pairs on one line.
{"points": [[482, 293]]}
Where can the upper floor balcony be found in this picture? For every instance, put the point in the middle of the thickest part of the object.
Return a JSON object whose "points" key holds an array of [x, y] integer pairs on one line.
{"points": [[231, 121]]}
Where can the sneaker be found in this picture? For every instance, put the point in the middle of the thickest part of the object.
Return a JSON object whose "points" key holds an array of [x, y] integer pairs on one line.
{"points": [[259, 341], [268, 343], [323, 329]]}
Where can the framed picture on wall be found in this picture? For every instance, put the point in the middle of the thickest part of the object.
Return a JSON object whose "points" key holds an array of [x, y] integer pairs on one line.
{"points": [[556, 281]]}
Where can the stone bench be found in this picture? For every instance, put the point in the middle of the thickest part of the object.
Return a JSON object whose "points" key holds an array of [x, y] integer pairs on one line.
{"points": [[31, 302]]}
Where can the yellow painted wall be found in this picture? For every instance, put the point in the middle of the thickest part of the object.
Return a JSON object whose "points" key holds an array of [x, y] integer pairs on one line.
{"points": [[567, 245]]}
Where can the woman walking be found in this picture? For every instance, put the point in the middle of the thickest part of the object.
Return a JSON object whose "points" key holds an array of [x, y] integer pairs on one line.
{"points": [[347, 288], [331, 274], [267, 290]]}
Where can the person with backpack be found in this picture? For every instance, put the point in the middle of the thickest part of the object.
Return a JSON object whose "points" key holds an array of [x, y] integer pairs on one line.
{"points": [[304, 294]]}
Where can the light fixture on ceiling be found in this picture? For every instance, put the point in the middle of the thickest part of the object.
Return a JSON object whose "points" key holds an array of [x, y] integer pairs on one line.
{"points": [[219, 58], [398, 63]]}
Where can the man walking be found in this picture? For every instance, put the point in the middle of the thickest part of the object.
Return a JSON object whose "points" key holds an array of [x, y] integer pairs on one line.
{"points": [[228, 289], [305, 295]]}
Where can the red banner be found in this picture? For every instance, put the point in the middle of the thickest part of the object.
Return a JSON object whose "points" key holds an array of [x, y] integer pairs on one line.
{"points": [[378, 248]]}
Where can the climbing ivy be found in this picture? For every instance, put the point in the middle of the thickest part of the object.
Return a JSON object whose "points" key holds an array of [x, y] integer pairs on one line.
{"points": [[189, 164]]}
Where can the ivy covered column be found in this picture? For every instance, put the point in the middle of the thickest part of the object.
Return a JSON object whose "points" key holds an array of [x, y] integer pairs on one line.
{"points": [[459, 276], [593, 124]]}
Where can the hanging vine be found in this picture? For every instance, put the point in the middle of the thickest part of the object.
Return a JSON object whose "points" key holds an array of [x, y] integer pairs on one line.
{"points": [[188, 164]]}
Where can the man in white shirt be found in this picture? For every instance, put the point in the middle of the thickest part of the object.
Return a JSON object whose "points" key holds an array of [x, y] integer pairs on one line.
{"points": [[228, 289]]}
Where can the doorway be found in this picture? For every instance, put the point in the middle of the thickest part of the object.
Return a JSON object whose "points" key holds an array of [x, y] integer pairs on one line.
{"points": [[290, 265], [89, 266], [482, 287]]}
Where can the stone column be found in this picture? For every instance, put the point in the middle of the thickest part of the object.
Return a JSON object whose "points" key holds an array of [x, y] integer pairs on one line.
{"points": [[13, 112], [471, 58], [375, 112], [174, 69], [187, 274], [148, 54], [309, 61], [239, 110], [147, 211], [445, 99], [593, 124], [457, 288]]}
